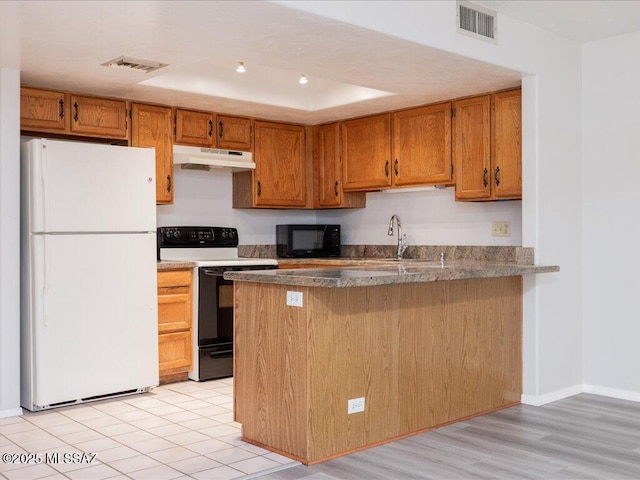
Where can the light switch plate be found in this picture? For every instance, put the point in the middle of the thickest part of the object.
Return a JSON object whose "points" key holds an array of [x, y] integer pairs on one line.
{"points": [[294, 299]]}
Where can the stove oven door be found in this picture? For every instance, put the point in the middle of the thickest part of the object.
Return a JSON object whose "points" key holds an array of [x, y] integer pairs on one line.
{"points": [[215, 321]]}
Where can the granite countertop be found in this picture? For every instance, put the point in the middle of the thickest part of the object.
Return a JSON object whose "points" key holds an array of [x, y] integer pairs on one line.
{"points": [[363, 273], [173, 265]]}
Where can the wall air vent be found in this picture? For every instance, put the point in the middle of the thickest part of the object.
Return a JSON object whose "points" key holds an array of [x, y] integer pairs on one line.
{"points": [[136, 64], [477, 21]]}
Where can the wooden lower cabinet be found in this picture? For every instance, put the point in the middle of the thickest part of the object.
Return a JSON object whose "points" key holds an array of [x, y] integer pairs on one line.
{"points": [[421, 354], [174, 324]]}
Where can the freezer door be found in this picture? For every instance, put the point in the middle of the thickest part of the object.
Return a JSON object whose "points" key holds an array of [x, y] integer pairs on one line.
{"points": [[84, 187], [94, 316]]}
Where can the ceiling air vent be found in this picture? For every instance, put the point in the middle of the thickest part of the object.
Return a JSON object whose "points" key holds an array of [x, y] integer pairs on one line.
{"points": [[477, 21], [136, 64]]}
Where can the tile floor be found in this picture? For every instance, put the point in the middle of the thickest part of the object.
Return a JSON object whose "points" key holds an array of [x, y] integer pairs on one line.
{"points": [[182, 430]]}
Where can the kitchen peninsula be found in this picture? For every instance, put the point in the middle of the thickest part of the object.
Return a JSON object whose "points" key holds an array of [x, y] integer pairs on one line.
{"points": [[414, 344]]}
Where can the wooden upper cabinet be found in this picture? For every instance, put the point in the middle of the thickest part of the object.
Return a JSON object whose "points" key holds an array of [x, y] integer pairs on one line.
{"points": [[152, 127], [487, 147], [43, 110], [366, 153], [422, 146], [329, 167], [204, 129], [194, 128], [471, 148], [506, 144], [234, 133], [279, 179], [98, 117]]}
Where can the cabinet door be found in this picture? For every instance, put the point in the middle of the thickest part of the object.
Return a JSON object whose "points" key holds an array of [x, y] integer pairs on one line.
{"points": [[280, 174], [366, 153], [99, 117], [506, 148], [194, 128], [43, 110], [233, 133], [174, 352], [151, 127], [471, 143], [328, 165], [422, 146]]}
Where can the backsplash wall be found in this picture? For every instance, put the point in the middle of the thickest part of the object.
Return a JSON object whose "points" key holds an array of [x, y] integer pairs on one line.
{"points": [[428, 217]]}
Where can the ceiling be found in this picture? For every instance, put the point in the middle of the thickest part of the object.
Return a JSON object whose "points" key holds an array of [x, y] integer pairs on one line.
{"points": [[351, 71], [582, 21]]}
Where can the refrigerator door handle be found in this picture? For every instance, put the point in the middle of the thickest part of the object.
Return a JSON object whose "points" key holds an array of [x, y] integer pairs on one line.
{"points": [[39, 286], [37, 181]]}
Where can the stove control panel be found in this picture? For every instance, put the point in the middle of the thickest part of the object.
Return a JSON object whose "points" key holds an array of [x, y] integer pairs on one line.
{"points": [[195, 237]]}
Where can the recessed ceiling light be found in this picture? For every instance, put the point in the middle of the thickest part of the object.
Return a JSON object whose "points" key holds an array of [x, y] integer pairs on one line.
{"points": [[241, 68], [302, 80]]}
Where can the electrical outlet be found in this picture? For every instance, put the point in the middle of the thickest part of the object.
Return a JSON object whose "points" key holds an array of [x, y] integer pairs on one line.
{"points": [[501, 229], [294, 299], [355, 405]]}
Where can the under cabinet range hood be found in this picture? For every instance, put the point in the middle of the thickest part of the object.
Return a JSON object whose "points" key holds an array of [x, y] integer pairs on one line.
{"points": [[202, 158]]}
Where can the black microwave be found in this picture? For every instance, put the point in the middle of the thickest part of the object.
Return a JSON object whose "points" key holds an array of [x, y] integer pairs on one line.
{"points": [[307, 241]]}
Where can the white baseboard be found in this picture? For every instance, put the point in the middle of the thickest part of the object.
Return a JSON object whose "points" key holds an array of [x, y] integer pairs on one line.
{"points": [[538, 400], [16, 412], [612, 392]]}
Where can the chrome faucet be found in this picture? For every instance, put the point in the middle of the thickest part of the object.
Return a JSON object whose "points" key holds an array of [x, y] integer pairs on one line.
{"points": [[402, 238]]}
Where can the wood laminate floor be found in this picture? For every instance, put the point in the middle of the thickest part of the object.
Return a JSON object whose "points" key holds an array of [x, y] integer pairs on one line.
{"points": [[581, 437]]}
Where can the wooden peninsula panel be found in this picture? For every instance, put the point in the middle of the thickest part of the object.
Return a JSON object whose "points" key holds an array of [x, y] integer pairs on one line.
{"points": [[422, 355]]}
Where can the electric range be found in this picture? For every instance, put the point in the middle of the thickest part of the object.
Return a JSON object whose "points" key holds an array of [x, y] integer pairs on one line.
{"points": [[214, 250]]}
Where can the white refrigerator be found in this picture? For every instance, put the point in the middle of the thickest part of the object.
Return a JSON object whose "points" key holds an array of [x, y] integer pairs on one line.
{"points": [[89, 327]]}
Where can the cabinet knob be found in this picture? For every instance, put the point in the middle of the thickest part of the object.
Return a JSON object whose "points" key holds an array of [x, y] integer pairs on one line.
{"points": [[168, 183], [259, 188], [220, 129], [76, 113], [386, 168], [61, 102], [210, 128], [485, 180], [335, 188], [497, 176], [396, 170]]}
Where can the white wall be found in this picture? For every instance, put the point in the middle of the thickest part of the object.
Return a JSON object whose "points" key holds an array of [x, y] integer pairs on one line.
{"points": [[9, 242], [551, 206], [611, 215], [428, 218], [205, 198]]}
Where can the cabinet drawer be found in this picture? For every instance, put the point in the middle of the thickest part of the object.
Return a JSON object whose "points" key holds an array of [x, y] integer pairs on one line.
{"points": [[174, 312], [174, 278], [174, 352]]}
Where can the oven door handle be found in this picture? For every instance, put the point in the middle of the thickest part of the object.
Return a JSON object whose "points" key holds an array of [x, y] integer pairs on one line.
{"points": [[211, 273]]}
